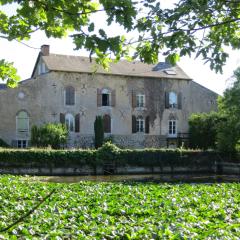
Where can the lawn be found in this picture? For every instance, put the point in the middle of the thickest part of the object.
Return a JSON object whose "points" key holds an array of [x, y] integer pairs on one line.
{"points": [[90, 210]]}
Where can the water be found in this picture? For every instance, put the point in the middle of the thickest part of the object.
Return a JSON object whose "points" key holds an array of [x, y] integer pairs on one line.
{"points": [[159, 178]]}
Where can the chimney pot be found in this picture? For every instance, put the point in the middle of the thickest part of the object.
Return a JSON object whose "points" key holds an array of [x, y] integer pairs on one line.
{"points": [[45, 49]]}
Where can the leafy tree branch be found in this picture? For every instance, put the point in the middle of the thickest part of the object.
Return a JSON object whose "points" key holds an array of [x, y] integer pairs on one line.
{"points": [[171, 32]]}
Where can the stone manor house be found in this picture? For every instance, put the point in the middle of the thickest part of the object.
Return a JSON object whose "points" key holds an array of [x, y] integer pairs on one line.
{"points": [[142, 105]]}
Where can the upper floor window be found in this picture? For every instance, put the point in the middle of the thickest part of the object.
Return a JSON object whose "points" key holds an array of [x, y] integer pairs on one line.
{"points": [[107, 123], [69, 121], [69, 95], [173, 100], [140, 100], [41, 68], [172, 128], [22, 122], [106, 97]]}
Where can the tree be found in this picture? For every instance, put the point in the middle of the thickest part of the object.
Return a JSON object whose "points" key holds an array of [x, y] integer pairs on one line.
{"points": [[199, 27], [228, 136], [99, 132], [203, 130]]}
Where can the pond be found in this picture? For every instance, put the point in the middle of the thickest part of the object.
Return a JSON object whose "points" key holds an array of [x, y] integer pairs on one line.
{"points": [[160, 178]]}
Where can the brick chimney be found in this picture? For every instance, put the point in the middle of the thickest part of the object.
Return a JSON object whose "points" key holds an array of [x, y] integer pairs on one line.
{"points": [[45, 50]]}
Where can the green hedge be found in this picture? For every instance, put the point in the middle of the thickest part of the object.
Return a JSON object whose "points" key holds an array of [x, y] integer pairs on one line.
{"points": [[107, 153]]}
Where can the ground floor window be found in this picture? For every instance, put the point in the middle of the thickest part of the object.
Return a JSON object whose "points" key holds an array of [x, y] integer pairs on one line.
{"points": [[172, 128], [140, 124], [21, 143]]}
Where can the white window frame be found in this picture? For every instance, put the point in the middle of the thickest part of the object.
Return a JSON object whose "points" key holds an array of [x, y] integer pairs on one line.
{"points": [[172, 125], [25, 131], [140, 100], [20, 143], [173, 100], [140, 121], [68, 118], [108, 92]]}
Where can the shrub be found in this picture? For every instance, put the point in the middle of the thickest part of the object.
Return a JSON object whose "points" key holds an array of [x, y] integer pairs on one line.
{"points": [[3, 144], [54, 135], [203, 130], [98, 131], [172, 158]]}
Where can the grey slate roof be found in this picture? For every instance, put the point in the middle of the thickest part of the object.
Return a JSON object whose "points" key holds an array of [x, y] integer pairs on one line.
{"points": [[3, 86], [66, 63]]}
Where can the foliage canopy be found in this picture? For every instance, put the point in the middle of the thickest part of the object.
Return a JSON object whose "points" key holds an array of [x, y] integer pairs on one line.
{"points": [[229, 129], [192, 27]]}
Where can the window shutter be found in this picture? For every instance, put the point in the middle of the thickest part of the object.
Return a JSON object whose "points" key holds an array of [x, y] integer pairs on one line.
{"points": [[107, 123], [134, 99], [99, 98], [69, 95], [166, 100], [77, 123], [72, 96], [147, 124], [113, 98], [180, 100], [134, 124], [62, 118]]}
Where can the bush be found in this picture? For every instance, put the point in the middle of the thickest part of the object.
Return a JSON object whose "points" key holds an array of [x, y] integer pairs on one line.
{"points": [[203, 130], [54, 135], [3, 144]]}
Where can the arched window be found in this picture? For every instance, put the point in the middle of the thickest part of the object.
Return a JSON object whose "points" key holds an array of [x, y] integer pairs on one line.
{"points": [[107, 123], [173, 100], [69, 121], [140, 124], [69, 95], [22, 122]]}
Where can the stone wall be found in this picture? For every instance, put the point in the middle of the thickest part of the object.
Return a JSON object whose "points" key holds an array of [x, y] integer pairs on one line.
{"points": [[43, 97]]}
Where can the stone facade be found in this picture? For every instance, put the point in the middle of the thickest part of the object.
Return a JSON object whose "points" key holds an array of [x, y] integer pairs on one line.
{"points": [[43, 99]]}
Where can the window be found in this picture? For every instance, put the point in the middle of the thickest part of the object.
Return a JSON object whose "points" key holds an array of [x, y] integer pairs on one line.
{"points": [[22, 122], [69, 96], [69, 121], [140, 124], [172, 128], [140, 100], [172, 100], [105, 97], [21, 143], [107, 123], [41, 68]]}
